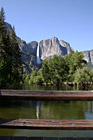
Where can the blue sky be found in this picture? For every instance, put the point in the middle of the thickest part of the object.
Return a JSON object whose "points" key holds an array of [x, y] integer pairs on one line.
{"points": [[69, 20]]}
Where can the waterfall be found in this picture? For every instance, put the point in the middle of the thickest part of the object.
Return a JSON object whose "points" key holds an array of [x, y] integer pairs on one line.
{"points": [[38, 58]]}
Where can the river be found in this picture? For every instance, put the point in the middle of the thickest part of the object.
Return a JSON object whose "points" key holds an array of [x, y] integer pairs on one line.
{"points": [[58, 110]]}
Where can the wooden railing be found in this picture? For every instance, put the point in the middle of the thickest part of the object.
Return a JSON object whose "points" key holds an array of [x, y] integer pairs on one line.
{"points": [[47, 95], [46, 124]]}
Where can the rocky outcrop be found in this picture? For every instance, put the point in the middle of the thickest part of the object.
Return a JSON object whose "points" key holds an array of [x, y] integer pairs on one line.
{"points": [[29, 48], [88, 56], [28, 54], [8, 26], [50, 47], [66, 47]]}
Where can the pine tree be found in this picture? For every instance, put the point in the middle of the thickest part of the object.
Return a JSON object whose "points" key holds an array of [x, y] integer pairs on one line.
{"points": [[2, 32], [16, 59], [2, 47]]}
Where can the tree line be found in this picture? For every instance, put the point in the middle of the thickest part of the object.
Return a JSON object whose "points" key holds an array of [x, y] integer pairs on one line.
{"points": [[62, 70], [10, 57]]}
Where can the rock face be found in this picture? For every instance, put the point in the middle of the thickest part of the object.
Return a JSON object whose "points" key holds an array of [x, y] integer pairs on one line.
{"points": [[88, 56], [66, 47], [53, 46], [29, 48], [28, 54], [8, 26]]}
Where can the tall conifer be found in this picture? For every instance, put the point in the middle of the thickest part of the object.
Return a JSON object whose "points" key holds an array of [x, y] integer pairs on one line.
{"points": [[16, 58], [2, 47], [10, 58]]}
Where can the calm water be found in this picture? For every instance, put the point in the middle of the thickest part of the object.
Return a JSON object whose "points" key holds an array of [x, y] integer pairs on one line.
{"points": [[46, 110]]}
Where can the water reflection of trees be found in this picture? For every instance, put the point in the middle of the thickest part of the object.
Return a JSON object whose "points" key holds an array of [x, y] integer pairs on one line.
{"points": [[18, 109], [89, 111], [90, 107], [63, 110]]}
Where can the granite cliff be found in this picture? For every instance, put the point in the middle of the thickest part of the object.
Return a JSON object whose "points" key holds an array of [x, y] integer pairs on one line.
{"points": [[88, 56], [28, 54], [52, 46]]}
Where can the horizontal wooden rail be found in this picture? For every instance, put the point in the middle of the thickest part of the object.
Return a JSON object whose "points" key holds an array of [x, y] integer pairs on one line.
{"points": [[47, 124], [47, 95]]}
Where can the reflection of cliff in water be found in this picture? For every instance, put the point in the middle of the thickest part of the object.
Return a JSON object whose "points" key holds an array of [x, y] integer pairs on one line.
{"points": [[38, 109], [89, 112]]}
